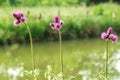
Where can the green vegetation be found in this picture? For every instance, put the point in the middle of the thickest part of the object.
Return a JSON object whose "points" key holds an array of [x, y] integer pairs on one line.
{"points": [[52, 2], [80, 22], [45, 2]]}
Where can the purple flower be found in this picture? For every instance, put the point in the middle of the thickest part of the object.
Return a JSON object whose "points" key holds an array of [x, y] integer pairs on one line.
{"points": [[61, 22], [16, 22], [109, 31], [14, 15], [57, 24], [56, 19], [19, 18], [109, 35], [23, 19], [52, 25], [103, 35], [20, 14], [114, 37]]}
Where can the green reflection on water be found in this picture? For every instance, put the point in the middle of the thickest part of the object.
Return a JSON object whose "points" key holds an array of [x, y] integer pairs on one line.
{"points": [[83, 59]]}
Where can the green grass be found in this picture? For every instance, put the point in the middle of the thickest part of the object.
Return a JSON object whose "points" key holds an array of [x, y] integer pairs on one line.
{"points": [[80, 22]]}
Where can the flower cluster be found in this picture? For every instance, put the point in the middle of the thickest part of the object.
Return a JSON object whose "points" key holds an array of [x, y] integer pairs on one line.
{"points": [[57, 24], [19, 18], [109, 35]]}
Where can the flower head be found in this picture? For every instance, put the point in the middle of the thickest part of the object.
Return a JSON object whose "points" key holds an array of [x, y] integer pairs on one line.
{"points": [[23, 19], [57, 24], [19, 16], [109, 31], [56, 19], [103, 35], [109, 35], [16, 22], [114, 38]]}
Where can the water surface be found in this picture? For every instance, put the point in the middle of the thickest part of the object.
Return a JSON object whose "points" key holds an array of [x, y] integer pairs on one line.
{"points": [[83, 59]]}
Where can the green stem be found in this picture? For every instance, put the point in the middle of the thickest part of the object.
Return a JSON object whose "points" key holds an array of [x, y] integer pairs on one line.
{"points": [[31, 44], [61, 56], [106, 63]]}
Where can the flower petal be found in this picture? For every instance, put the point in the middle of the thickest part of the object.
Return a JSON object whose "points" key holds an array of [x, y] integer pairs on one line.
{"points": [[56, 19], [109, 31], [23, 19], [52, 24], [19, 14], [61, 22], [57, 26], [14, 15], [16, 22], [115, 38], [103, 35], [111, 36]]}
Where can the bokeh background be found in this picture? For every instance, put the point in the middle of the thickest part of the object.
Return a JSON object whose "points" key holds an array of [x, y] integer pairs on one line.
{"points": [[83, 50]]}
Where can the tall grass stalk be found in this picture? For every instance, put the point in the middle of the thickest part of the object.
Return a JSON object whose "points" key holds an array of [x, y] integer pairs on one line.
{"points": [[61, 55], [106, 62], [32, 53]]}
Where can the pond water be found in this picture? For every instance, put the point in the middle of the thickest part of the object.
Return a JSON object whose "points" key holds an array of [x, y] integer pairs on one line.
{"points": [[83, 59]]}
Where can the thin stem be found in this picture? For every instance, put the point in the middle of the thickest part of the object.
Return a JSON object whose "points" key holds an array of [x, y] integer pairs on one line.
{"points": [[61, 56], [106, 63], [31, 44]]}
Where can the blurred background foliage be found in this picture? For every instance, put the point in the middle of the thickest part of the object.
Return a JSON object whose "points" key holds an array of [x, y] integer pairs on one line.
{"points": [[83, 19], [51, 2]]}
